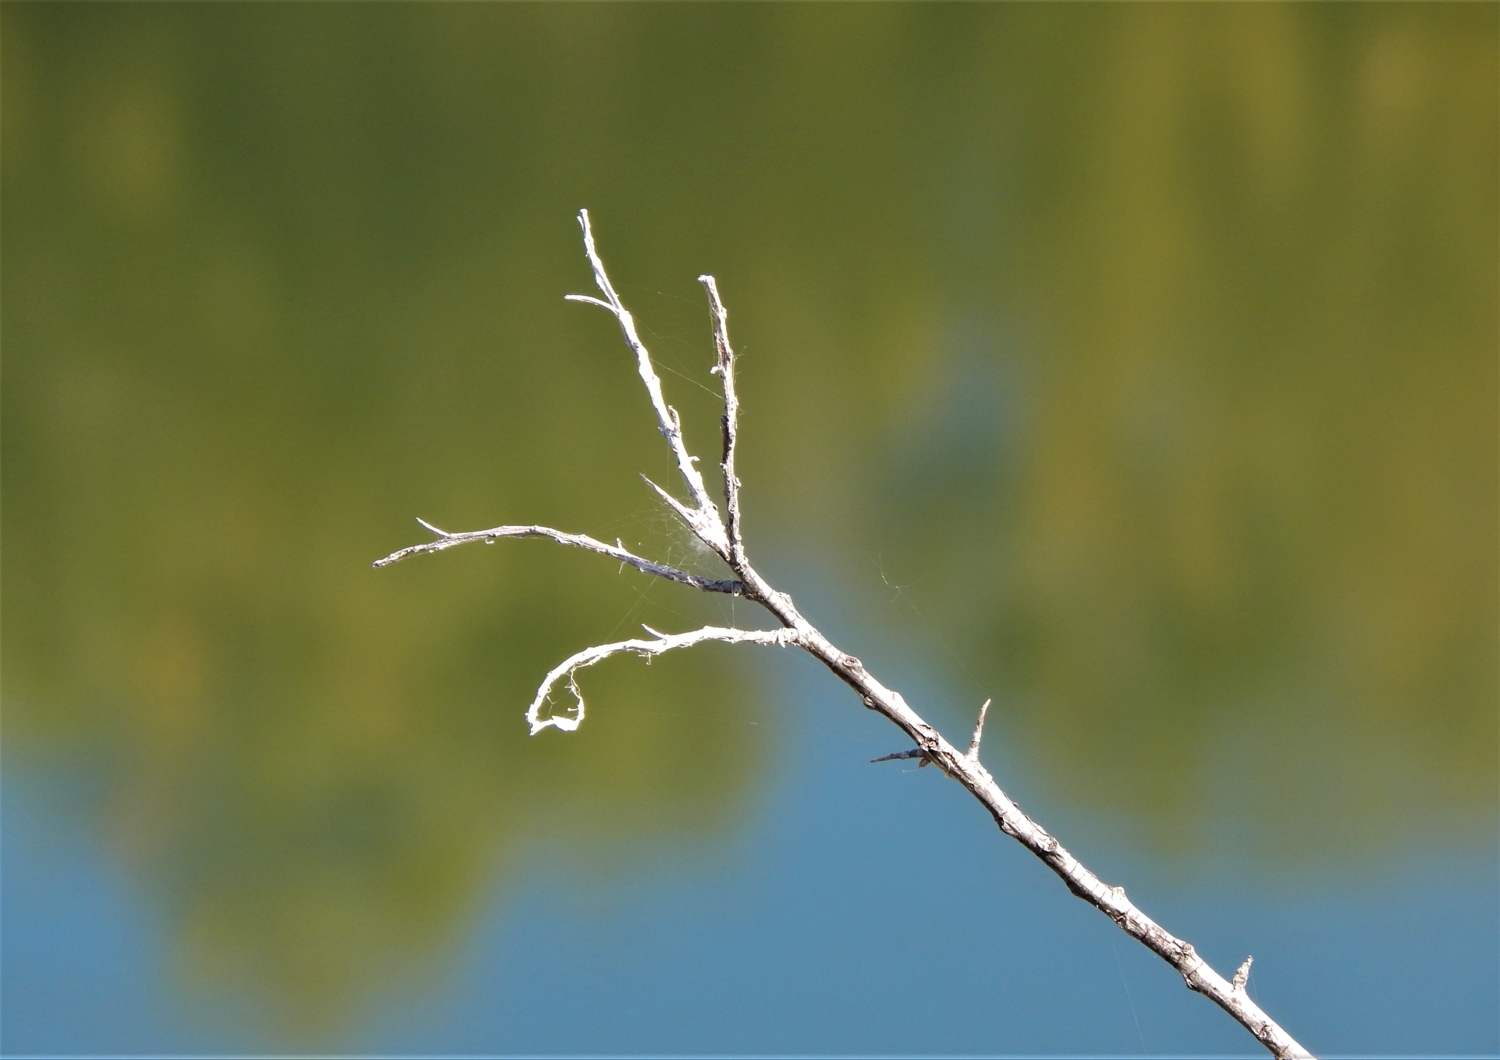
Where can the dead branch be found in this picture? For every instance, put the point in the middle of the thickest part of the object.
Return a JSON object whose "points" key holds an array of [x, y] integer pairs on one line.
{"points": [[703, 517]]}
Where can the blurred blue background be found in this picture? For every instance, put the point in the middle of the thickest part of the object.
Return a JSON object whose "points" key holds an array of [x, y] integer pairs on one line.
{"points": [[1133, 365]]}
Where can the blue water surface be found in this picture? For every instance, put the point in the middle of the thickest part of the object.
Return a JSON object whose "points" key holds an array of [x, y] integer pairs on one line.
{"points": [[861, 910]]}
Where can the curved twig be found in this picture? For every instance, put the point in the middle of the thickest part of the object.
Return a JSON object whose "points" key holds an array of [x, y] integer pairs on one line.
{"points": [[570, 666]]}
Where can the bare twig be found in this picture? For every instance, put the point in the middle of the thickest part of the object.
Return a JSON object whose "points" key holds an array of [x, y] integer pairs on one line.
{"points": [[705, 521], [703, 518], [915, 752], [724, 368], [616, 551], [978, 732], [645, 648]]}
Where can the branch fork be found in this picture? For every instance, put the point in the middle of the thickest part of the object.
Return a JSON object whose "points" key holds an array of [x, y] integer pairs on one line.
{"points": [[721, 532]]}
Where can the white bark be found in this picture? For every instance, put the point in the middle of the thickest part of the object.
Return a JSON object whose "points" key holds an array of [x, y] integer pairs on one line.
{"points": [[570, 666], [703, 517], [615, 551], [705, 520]]}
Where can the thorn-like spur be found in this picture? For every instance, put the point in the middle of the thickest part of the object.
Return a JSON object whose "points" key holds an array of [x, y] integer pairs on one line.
{"points": [[915, 752], [978, 732]]}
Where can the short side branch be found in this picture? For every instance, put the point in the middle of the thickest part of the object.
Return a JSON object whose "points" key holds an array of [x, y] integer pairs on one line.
{"points": [[703, 519], [615, 552], [978, 732], [915, 752], [724, 368], [570, 666]]}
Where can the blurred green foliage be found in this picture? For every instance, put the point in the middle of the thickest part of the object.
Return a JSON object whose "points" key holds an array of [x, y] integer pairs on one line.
{"points": [[1156, 344]]}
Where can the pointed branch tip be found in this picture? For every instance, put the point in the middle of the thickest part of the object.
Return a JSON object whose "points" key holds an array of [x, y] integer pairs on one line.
{"points": [[978, 731], [915, 752]]}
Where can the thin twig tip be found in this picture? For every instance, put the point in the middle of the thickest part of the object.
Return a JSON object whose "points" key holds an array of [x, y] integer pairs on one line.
{"points": [[915, 752], [978, 731]]}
